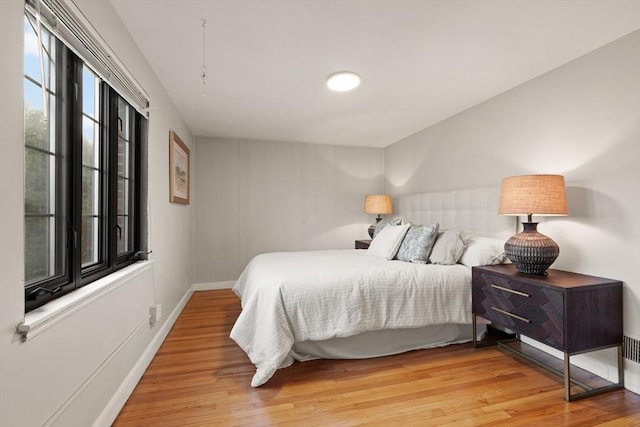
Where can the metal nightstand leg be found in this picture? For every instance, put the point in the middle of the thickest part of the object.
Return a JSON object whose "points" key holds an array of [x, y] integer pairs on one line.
{"points": [[567, 378], [475, 327], [620, 366], [564, 369], [590, 391]]}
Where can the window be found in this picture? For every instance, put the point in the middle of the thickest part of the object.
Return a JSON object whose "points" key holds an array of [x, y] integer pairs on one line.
{"points": [[82, 171]]}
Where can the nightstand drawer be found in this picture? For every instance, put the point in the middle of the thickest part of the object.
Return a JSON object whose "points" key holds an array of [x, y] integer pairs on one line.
{"points": [[521, 315], [525, 297]]}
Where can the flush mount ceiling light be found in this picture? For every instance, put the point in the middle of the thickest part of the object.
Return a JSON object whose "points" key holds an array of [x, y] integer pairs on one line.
{"points": [[343, 81]]}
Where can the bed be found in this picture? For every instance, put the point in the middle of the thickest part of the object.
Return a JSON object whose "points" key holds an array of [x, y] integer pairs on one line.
{"points": [[349, 304]]}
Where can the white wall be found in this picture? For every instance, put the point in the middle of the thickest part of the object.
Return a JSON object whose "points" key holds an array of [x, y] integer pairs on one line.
{"points": [[262, 196], [68, 374], [581, 120]]}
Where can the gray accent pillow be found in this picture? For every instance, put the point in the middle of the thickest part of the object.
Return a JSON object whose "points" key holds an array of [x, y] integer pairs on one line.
{"points": [[448, 248], [418, 243], [383, 224]]}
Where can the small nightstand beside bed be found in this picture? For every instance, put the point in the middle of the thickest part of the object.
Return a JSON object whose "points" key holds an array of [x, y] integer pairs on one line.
{"points": [[355, 304]]}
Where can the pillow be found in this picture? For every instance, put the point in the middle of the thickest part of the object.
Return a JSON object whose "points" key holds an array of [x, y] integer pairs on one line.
{"points": [[448, 248], [482, 251], [383, 224], [386, 244], [418, 243]]}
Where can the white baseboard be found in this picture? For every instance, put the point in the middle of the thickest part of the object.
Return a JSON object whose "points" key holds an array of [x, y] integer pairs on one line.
{"points": [[213, 286], [115, 405]]}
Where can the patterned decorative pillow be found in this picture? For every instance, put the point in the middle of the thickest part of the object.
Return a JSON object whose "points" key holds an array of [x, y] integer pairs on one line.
{"points": [[383, 224], [448, 248], [418, 243]]}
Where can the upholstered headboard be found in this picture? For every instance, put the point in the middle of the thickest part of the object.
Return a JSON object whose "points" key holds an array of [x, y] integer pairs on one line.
{"points": [[474, 210]]}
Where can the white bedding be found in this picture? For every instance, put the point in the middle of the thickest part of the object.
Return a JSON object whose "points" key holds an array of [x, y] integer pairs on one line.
{"points": [[310, 296]]}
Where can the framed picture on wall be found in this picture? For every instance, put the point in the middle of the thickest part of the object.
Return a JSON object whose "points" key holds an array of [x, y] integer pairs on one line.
{"points": [[178, 170]]}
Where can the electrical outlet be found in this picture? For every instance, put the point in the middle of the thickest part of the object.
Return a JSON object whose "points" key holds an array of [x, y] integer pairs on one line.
{"points": [[154, 314]]}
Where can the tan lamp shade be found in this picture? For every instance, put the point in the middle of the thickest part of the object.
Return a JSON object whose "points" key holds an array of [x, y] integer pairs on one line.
{"points": [[533, 195], [379, 204]]}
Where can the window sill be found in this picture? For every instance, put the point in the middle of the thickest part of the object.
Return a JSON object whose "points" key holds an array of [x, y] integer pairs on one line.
{"points": [[39, 320]]}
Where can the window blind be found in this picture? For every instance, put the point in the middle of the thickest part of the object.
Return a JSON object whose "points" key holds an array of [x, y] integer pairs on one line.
{"points": [[66, 21]]}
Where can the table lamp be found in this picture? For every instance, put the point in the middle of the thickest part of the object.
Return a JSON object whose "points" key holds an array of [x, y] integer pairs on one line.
{"points": [[532, 252], [378, 204]]}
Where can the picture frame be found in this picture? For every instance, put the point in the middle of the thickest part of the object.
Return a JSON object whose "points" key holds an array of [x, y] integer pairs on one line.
{"points": [[179, 170]]}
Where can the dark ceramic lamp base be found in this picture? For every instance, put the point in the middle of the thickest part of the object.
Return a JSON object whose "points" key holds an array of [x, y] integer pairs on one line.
{"points": [[372, 227], [531, 252]]}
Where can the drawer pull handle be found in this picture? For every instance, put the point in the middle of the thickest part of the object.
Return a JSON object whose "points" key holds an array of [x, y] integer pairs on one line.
{"points": [[511, 291], [511, 315]]}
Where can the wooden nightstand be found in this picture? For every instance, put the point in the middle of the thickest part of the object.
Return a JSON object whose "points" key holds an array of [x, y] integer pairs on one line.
{"points": [[363, 244], [571, 312]]}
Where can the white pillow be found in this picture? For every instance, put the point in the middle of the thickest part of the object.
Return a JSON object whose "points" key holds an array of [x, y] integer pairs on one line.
{"points": [[482, 251], [388, 241], [448, 248]]}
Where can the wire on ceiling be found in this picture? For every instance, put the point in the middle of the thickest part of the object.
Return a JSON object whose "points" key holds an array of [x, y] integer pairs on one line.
{"points": [[203, 69]]}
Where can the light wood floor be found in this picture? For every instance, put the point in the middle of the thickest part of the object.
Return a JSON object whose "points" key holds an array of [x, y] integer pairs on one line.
{"points": [[201, 378]]}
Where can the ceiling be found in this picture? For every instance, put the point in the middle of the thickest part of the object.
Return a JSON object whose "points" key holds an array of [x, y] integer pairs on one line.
{"points": [[420, 61]]}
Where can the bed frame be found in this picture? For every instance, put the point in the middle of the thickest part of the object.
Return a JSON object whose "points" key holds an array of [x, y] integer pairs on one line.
{"points": [[471, 210]]}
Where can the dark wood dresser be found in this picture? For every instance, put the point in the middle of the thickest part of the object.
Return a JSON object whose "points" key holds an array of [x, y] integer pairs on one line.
{"points": [[571, 312], [363, 244]]}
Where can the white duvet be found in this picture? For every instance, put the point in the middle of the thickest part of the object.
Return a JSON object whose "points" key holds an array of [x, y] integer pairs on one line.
{"points": [[302, 296]]}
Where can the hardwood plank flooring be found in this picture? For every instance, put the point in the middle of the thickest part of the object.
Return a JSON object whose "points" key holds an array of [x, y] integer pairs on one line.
{"points": [[200, 377]]}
